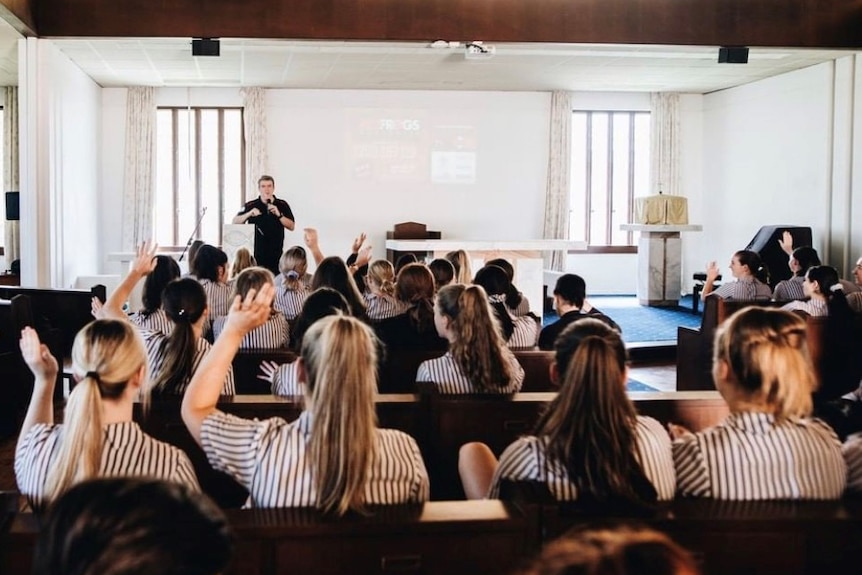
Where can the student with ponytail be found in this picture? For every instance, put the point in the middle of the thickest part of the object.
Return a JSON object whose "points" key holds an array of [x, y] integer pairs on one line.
{"points": [[171, 358], [98, 437], [379, 296], [612, 458], [519, 330], [414, 328], [151, 316], [273, 334], [478, 360], [333, 457], [291, 285]]}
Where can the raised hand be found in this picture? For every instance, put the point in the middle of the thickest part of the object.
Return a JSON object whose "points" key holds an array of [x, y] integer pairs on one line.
{"points": [[364, 256], [712, 271], [251, 312], [310, 237], [145, 260], [786, 242], [37, 357], [97, 308], [267, 370], [677, 431], [357, 243]]}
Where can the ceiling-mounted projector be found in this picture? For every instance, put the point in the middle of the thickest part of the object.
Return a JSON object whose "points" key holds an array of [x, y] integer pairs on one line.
{"points": [[478, 51]]}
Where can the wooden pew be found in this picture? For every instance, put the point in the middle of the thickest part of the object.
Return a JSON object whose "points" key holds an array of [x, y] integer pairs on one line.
{"points": [[726, 537], [462, 537], [694, 346], [246, 367]]}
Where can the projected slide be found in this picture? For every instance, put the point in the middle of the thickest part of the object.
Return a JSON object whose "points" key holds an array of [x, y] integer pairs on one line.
{"points": [[409, 146]]}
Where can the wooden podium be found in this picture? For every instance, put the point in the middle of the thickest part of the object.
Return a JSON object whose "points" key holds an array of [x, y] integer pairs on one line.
{"points": [[410, 231]]}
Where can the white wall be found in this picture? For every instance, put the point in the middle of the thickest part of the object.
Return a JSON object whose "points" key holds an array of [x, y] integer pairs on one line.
{"points": [[60, 144], [766, 160]]}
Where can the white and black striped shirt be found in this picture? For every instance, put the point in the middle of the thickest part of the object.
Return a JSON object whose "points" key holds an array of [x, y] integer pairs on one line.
{"points": [[752, 456], [788, 290], [526, 331], [269, 458], [813, 307], [126, 451], [852, 450], [218, 297], [306, 281], [445, 373], [156, 359], [854, 300], [527, 460], [382, 306], [744, 289], [156, 321], [523, 308], [285, 379], [289, 301], [271, 335]]}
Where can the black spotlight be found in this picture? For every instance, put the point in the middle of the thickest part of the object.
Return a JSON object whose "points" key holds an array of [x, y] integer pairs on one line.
{"points": [[733, 55], [205, 47]]}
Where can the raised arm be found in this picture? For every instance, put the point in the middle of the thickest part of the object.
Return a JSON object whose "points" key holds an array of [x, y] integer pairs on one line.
{"points": [[203, 392], [711, 275], [786, 242], [311, 240], [44, 368], [144, 263]]}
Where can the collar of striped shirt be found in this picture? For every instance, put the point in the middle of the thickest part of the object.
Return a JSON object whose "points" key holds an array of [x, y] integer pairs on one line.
{"points": [[303, 423], [757, 422]]}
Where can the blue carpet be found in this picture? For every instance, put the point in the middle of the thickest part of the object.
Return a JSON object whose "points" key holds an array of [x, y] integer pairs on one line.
{"points": [[634, 385], [643, 323]]}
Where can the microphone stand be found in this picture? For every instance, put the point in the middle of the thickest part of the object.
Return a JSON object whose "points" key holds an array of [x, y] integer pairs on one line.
{"points": [[194, 233]]}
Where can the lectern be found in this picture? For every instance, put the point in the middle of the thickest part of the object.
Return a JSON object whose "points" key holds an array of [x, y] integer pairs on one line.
{"points": [[410, 231]]}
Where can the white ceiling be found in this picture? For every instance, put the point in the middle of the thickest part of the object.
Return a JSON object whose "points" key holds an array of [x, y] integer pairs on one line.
{"points": [[419, 66]]}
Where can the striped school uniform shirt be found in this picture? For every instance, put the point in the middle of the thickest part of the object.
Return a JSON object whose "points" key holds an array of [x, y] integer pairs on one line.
{"points": [[788, 290], [527, 460], [523, 308], [306, 281], [382, 306], [126, 451], [156, 359], [218, 296], [269, 459], [744, 289], [285, 380], [753, 456], [852, 450], [813, 307], [526, 332], [854, 300], [448, 378], [289, 301], [156, 321], [271, 335]]}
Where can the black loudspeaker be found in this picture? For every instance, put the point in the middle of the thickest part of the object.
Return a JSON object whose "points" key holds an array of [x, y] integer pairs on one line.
{"points": [[205, 47], [765, 243], [733, 55], [13, 209]]}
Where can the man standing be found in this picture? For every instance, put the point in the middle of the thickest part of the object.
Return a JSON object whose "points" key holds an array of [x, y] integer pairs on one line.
{"points": [[270, 217]]}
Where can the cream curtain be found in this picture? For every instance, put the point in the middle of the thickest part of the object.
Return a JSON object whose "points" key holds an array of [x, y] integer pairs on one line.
{"points": [[557, 191], [139, 181], [11, 181], [254, 126], [664, 145]]}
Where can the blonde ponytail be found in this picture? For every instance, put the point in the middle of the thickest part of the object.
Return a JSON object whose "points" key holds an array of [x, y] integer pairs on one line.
{"points": [[105, 356], [341, 357], [382, 273]]}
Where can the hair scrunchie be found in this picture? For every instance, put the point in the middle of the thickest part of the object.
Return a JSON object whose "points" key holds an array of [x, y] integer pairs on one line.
{"points": [[94, 375], [292, 275]]}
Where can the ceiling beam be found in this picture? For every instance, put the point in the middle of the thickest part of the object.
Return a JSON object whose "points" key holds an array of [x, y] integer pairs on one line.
{"points": [[780, 23], [19, 15]]}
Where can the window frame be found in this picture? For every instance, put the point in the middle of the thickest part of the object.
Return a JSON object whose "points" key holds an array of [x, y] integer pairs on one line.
{"points": [[608, 247], [198, 151]]}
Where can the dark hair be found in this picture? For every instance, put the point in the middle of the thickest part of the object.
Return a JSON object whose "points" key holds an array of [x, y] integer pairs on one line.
{"points": [[332, 272], [320, 303], [265, 178], [252, 278], [193, 251], [572, 288], [600, 451], [513, 296], [184, 302], [125, 526], [755, 265], [207, 262], [166, 271], [806, 257], [613, 550], [496, 283], [408, 258], [443, 271], [415, 286]]}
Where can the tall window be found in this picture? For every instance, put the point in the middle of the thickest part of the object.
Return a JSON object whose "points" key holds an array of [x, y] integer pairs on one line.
{"points": [[200, 164], [610, 166]]}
